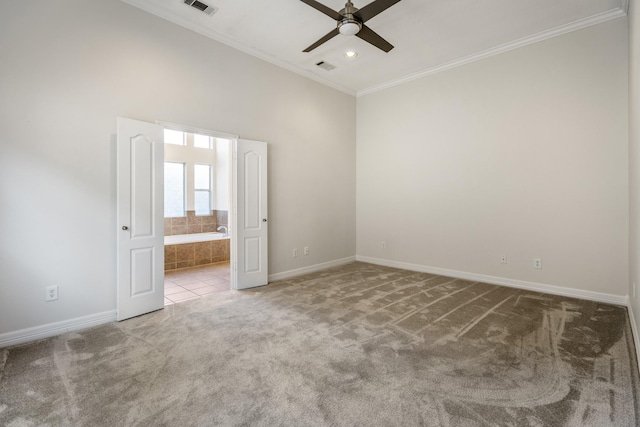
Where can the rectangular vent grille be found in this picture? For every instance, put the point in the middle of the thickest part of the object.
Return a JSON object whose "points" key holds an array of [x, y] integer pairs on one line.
{"points": [[209, 10], [325, 65]]}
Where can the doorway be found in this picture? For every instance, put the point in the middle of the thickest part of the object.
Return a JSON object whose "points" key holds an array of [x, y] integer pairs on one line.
{"points": [[140, 214], [197, 198]]}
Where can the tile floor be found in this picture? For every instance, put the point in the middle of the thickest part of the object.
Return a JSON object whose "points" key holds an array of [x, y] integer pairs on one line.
{"points": [[191, 283]]}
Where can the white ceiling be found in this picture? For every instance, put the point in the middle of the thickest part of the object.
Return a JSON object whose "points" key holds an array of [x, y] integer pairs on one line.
{"points": [[428, 36]]}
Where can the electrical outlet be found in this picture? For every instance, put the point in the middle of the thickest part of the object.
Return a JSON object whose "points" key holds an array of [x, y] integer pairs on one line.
{"points": [[383, 245], [306, 250], [52, 293], [537, 263], [295, 252], [503, 259]]}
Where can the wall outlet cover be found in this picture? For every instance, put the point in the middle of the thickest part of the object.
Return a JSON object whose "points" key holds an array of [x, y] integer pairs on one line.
{"points": [[52, 293]]}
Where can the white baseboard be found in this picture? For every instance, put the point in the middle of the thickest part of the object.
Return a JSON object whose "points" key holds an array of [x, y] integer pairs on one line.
{"points": [[634, 329], [51, 329], [310, 269], [513, 283]]}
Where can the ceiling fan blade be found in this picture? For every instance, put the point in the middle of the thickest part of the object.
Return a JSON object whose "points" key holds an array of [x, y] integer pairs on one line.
{"points": [[374, 8], [331, 34], [368, 35], [324, 9]]}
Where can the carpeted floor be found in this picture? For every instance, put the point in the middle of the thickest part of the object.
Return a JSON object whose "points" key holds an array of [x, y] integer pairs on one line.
{"points": [[356, 345]]}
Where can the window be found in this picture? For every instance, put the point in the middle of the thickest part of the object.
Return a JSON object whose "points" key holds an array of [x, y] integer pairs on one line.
{"points": [[202, 141], [202, 189], [191, 182], [173, 189], [174, 137]]}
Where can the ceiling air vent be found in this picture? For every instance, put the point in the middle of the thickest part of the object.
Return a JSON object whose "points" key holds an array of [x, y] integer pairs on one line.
{"points": [[325, 65], [209, 10]]}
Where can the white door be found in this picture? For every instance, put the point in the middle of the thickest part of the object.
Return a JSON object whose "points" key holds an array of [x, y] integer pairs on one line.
{"points": [[249, 220], [140, 224]]}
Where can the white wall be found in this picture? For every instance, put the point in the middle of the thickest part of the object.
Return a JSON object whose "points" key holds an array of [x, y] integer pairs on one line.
{"points": [[634, 157], [523, 154], [69, 68]]}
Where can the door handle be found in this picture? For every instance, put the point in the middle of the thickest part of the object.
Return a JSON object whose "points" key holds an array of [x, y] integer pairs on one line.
{"points": [[264, 219], [125, 228]]}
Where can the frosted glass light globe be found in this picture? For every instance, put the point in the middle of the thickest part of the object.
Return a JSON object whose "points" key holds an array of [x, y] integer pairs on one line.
{"points": [[349, 28]]}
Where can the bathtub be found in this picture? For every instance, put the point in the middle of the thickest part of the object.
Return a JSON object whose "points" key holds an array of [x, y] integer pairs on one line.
{"points": [[192, 238], [192, 250]]}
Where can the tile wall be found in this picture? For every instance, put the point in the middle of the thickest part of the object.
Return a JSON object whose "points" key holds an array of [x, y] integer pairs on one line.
{"points": [[192, 224], [194, 254]]}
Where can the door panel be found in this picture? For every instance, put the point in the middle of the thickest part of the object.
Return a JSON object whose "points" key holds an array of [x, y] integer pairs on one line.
{"points": [[140, 259], [141, 186], [141, 271], [252, 254], [251, 164], [249, 222]]}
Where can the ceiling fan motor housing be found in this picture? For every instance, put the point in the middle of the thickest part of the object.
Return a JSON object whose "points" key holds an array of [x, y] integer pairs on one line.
{"points": [[349, 25]]}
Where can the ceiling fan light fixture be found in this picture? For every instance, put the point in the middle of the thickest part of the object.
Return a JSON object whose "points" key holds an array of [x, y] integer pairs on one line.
{"points": [[349, 27]]}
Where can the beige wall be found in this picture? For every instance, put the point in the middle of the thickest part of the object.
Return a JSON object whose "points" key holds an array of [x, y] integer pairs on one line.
{"points": [[69, 68], [523, 154], [634, 157]]}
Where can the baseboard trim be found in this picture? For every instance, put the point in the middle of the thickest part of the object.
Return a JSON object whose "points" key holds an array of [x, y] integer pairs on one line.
{"points": [[56, 328], [513, 283], [634, 330], [310, 269]]}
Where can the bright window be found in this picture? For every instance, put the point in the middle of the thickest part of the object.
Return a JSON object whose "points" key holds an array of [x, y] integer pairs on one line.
{"points": [[202, 189], [174, 137], [201, 141], [173, 189]]}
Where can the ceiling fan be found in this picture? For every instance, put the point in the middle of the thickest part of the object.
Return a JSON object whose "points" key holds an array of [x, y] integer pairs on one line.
{"points": [[350, 21]]}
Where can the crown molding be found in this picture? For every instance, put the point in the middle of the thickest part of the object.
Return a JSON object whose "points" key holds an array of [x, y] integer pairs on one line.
{"points": [[535, 38], [624, 6], [154, 9]]}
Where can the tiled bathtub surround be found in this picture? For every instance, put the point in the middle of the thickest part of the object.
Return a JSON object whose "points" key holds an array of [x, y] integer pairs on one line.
{"points": [[194, 254], [191, 223]]}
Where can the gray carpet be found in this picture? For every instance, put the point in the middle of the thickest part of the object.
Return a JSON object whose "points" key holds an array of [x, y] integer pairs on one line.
{"points": [[357, 345]]}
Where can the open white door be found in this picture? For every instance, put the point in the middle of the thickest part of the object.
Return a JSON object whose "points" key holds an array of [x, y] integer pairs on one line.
{"points": [[249, 220], [140, 218]]}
